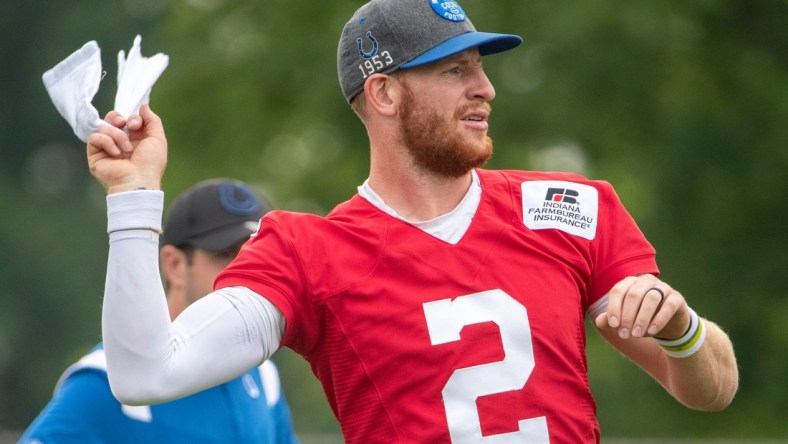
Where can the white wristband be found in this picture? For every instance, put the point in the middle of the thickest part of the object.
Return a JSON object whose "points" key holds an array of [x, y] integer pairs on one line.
{"points": [[688, 344], [135, 210]]}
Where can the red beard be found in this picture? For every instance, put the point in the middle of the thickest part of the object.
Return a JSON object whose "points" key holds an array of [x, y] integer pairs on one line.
{"points": [[434, 142]]}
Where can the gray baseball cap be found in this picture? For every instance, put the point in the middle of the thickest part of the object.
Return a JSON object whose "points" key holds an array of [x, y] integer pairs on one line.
{"points": [[386, 35], [214, 215]]}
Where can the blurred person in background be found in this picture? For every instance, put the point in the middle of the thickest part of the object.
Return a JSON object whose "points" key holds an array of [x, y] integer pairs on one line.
{"points": [[204, 229]]}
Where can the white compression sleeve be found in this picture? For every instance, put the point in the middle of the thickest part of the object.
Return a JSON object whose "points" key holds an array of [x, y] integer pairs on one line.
{"points": [[149, 358]]}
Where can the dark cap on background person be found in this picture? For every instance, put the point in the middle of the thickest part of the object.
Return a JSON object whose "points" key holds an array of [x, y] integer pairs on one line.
{"points": [[213, 215], [386, 35]]}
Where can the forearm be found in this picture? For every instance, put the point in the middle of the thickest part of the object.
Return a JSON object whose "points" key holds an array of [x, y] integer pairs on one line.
{"points": [[644, 319], [707, 380], [135, 320]]}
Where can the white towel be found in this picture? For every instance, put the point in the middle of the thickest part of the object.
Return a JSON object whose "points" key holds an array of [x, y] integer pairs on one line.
{"points": [[136, 77], [74, 82]]}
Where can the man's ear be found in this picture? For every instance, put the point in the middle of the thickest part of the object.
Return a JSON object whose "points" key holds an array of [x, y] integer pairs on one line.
{"points": [[382, 92], [173, 265]]}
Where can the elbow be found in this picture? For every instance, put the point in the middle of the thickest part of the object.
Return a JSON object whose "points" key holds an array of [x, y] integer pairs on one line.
{"points": [[718, 404], [133, 391], [136, 379], [718, 399], [727, 387], [724, 397], [129, 399]]}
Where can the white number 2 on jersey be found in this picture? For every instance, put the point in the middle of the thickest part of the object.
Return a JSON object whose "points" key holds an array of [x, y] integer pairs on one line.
{"points": [[445, 320]]}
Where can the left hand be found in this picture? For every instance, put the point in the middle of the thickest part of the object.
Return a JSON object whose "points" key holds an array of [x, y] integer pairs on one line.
{"points": [[635, 309]]}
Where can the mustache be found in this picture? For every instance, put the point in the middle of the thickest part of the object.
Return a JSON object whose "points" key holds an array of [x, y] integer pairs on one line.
{"points": [[468, 109]]}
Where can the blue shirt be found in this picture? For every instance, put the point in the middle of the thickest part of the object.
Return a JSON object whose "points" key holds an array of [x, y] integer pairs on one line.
{"points": [[249, 409]]}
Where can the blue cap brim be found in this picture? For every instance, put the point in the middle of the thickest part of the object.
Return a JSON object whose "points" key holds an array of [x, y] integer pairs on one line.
{"points": [[488, 43]]}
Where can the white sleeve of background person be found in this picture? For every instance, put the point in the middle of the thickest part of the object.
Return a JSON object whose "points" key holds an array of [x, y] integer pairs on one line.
{"points": [[151, 359]]}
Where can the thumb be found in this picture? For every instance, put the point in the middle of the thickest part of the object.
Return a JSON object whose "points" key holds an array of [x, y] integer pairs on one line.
{"points": [[151, 123], [601, 322]]}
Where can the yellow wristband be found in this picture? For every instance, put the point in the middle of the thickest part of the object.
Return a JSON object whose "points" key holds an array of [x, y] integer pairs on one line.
{"points": [[688, 344]]}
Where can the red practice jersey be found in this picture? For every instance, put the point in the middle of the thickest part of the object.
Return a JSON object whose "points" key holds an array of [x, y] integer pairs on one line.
{"points": [[416, 340]]}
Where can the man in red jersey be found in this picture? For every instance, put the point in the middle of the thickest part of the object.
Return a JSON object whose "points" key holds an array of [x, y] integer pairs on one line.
{"points": [[443, 302]]}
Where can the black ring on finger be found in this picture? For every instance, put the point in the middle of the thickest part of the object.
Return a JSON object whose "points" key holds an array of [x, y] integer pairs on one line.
{"points": [[661, 293]]}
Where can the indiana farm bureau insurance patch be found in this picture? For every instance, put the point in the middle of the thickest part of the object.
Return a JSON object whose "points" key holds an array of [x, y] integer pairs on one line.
{"points": [[565, 206]]}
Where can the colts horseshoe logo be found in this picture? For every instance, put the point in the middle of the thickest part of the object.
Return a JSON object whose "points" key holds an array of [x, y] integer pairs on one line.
{"points": [[237, 200], [370, 54]]}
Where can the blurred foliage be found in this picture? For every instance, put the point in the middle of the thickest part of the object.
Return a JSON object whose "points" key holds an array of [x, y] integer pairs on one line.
{"points": [[683, 106]]}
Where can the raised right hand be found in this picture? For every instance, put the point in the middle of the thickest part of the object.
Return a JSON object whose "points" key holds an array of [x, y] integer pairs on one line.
{"points": [[122, 162]]}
